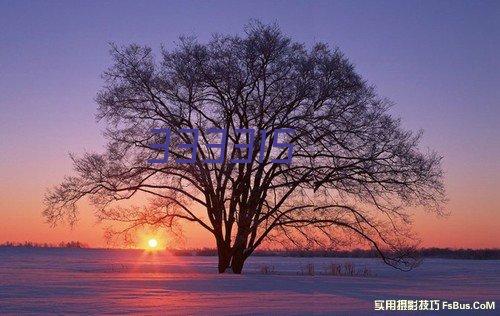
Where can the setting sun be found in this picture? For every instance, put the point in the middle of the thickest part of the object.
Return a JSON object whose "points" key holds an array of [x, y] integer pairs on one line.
{"points": [[152, 243]]}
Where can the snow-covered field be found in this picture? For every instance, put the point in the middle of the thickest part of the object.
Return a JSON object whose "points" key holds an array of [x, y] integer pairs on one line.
{"points": [[66, 281]]}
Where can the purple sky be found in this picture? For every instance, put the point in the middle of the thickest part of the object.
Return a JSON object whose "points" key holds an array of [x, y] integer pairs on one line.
{"points": [[438, 61]]}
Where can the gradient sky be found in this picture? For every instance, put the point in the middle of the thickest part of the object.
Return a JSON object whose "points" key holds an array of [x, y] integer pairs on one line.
{"points": [[438, 61]]}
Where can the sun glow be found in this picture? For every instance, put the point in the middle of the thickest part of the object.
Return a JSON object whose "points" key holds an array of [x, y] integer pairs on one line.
{"points": [[152, 243]]}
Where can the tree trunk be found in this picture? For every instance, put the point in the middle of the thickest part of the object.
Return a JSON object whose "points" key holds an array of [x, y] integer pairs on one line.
{"points": [[224, 258], [238, 261]]}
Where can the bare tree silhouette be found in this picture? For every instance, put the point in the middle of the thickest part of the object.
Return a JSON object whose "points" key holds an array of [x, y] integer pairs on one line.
{"points": [[355, 170]]}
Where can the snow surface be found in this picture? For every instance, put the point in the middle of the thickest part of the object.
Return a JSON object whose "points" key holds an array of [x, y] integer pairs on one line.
{"points": [[83, 281]]}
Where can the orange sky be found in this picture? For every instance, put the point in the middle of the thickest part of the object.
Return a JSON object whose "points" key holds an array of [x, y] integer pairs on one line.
{"points": [[473, 203]]}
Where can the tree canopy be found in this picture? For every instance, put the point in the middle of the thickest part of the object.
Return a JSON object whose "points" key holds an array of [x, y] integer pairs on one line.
{"points": [[355, 172]]}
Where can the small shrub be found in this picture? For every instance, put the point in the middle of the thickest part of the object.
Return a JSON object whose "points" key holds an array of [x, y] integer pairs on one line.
{"points": [[267, 269], [308, 269], [349, 269], [346, 269], [334, 269], [366, 272]]}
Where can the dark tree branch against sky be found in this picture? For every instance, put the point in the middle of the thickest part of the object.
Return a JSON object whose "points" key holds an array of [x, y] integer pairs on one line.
{"points": [[355, 171]]}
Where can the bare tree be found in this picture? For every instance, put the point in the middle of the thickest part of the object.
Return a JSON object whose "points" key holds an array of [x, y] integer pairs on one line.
{"points": [[355, 171]]}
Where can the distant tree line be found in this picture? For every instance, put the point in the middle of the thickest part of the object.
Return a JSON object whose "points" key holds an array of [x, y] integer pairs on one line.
{"points": [[445, 253], [29, 244]]}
